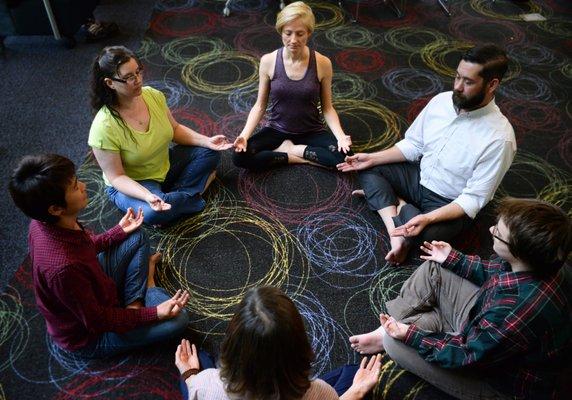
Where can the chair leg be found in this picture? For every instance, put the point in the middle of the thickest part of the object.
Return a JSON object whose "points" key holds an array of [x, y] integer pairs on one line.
{"points": [[226, 9], [445, 6]]}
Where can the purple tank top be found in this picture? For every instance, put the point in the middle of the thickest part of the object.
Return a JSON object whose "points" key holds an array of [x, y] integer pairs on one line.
{"points": [[294, 106]]}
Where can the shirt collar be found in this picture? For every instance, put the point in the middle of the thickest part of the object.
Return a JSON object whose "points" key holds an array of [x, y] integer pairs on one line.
{"points": [[512, 279], [63, 234]]}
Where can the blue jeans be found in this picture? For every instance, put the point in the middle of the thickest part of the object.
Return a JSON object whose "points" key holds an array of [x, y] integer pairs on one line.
{"points": [[127, 264], [190, 168]]}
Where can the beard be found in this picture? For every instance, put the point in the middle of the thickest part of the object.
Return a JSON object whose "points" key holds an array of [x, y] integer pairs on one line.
{"points": [[469, 103]]}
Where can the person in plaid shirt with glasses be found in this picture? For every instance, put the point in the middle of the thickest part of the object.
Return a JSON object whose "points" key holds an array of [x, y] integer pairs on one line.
{"points": [[493, 329]]}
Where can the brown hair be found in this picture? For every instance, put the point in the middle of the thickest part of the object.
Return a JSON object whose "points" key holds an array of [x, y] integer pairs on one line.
{"points": [[106, 65], [540, 233], [266, 353]]}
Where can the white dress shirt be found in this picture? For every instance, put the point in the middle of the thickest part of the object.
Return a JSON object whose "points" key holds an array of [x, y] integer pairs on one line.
{"points": [[463, 156]]}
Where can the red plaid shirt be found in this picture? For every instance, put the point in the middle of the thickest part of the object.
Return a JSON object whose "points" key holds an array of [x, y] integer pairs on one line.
{"points": [[77, 299], [518, 332]]}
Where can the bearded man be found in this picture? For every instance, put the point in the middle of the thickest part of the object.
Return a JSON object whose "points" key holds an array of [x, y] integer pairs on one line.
{"points": [[430, 185]]}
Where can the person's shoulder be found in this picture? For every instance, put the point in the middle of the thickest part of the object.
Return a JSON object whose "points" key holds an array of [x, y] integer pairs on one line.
{"points": [[443, 97], [151, 92], [322, 58], [209, 377], [103, 115], [154, 97], [42, 231], [499, 126], [267, 62], [103, 121], [320, 390], [268, 58], [207, 385], [322, 61]]}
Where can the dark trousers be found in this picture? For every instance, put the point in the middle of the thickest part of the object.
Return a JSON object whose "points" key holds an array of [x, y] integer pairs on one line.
{"points": [[383, 184], [322, 149]]}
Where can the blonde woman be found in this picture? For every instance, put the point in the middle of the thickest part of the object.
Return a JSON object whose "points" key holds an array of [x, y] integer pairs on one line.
{"points": [[295, 86]]}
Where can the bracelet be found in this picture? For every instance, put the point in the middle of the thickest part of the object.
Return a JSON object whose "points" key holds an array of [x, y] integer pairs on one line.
{"points": [[188, 373]]}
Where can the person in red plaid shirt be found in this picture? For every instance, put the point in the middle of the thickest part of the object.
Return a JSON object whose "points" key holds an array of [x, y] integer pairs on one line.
{"points": [[96, 292], [493, 329]]}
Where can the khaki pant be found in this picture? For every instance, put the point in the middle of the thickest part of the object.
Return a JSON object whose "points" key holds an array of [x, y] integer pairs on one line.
{"points": [[436, 300]]}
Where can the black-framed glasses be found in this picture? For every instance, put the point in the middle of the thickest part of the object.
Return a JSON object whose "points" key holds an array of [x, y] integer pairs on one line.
{"points": [[496, 234], [130, 79]]}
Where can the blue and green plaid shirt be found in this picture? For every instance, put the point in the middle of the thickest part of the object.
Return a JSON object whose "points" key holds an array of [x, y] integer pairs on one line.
{"points": [[518, 332]]}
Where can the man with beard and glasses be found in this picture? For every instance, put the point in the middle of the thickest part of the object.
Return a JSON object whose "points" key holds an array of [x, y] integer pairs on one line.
{"points": [[432, 183]]}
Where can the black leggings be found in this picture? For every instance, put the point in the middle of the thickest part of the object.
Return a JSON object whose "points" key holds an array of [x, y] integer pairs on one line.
{"points": [[322, 148]]}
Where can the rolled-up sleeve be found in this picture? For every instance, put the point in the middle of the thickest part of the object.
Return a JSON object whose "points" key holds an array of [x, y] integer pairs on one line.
{"points": [[486, 177]]}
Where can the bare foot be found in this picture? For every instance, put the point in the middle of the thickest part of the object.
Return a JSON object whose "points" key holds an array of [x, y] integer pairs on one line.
{"points": [[285, 147], [358, 193], [153, 260], [135, 305], [295, 152], [210, 180], [400, 205], [399, 249], [368, 343]]}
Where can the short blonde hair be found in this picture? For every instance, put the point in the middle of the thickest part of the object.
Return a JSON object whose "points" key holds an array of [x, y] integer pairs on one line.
{"points": [[293, 11]]}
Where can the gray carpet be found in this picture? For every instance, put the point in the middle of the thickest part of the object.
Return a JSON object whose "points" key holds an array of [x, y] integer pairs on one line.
{"points": [[44, 107]]}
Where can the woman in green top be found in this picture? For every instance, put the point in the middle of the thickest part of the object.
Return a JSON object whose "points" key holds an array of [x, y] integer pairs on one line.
{"points": [[130, 137]]}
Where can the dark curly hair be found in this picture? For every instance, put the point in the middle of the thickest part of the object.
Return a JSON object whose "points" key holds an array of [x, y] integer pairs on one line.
{"points": [[106, 65]]}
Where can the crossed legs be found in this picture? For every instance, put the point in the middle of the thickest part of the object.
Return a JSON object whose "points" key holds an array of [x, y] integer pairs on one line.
{"points": [[394, 191], [436, 300], [433, 298]]}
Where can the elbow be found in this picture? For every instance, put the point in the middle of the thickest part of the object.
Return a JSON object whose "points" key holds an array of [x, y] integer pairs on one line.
{"points": [[115, 179], [259, 107]]}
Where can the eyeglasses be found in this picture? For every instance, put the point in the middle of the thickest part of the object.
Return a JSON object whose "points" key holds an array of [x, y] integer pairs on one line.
{"points": [[496, 235], [130, 79]]}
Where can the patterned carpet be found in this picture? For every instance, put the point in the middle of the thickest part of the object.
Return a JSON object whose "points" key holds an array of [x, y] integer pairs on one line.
{"points": [[298, 228]]}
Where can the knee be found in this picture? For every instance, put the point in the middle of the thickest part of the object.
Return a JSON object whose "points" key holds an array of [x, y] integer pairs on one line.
{"points": [[153, 217], [212, 155], [368, 178], [428, 268], [138, 238], [209, 157]]}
